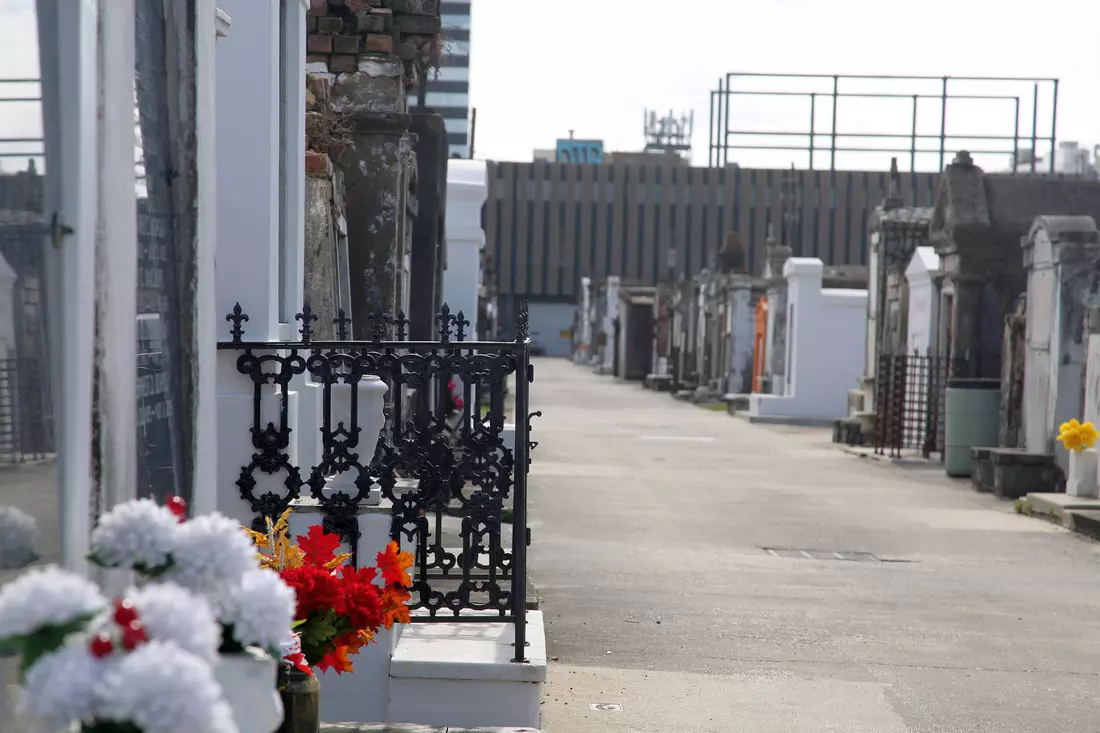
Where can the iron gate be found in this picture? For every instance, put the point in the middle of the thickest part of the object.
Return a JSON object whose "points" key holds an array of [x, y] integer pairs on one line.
{"points": [[26, 427], [910, 394], [430, 475]]}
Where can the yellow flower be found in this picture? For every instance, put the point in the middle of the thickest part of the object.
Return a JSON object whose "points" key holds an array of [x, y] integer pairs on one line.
{"points": [[276, 550], [1088, 435], [1077, 436]]}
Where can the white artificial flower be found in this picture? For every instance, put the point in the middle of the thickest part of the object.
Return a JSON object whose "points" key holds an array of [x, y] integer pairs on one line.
{"points": [[47, 596], [160, 688], [172, 613], [213, 550], [137, 533], [18, 538], [260, 609], [60, 687]]}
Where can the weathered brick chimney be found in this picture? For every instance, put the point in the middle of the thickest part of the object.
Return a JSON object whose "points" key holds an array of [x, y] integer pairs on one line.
{"points": [[368, 55]]}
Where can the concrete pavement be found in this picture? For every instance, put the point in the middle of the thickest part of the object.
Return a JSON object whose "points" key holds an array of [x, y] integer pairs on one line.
{"points": [[668, 549]]}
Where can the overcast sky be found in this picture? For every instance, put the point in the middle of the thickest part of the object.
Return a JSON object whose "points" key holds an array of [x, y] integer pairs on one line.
{"points": [[541, 68]]}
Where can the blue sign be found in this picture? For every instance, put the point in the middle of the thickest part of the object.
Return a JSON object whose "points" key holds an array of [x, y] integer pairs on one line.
{"points": [[580, 151]]}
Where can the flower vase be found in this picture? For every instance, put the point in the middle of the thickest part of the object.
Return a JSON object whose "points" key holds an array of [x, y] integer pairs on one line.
{"points": [[301, 694], [248, 681], [1082, 479]]}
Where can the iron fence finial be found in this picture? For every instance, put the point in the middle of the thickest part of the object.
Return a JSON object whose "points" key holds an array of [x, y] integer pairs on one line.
{"points": [[237, 317]]}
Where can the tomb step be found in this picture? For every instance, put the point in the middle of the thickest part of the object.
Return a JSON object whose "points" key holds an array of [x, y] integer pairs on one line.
{"points": [[1012, 473], [1084, 521], [736, 402], [1060, 505], [462, 675]]}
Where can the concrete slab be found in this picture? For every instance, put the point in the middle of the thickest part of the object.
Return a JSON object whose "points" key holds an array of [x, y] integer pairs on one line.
{"points": [[657, 567], [610, 700], [905, 461], [779, 420], [1059, 504], [1084, 521], [470, 651]]}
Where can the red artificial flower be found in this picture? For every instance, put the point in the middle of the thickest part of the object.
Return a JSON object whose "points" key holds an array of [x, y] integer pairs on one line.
{"points": [[319, 546], [298, 661], [394, 565], [317, 589], [361, 600]]}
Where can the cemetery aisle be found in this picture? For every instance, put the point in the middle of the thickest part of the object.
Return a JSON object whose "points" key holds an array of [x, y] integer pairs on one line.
{"points": [[668, 551]]}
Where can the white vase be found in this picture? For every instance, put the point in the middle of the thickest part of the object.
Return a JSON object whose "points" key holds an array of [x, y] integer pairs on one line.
{"points": [[1082, 479], [248, 682], [371, 418]]}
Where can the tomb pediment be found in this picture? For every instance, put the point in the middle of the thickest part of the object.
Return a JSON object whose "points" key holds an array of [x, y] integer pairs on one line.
{"points": [[961, 204]]}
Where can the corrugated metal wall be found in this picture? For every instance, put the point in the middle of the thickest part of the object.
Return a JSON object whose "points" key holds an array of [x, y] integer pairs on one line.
{"points": [[547, 225]]}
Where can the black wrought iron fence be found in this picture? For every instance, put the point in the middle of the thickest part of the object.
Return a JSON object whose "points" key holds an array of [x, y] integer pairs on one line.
{"points": [[448, 482]]}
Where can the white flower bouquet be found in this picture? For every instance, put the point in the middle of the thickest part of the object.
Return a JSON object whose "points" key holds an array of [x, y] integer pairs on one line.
{"points": [[209, 556], [140, 664], [18, 538]]}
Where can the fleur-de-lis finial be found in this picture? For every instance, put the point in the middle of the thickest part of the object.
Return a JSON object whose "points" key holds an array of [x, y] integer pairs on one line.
{"points": [[378, 323], [237, 317], [460, 324], [307, 317], [343, 325], [444, 319], [401, 326]]}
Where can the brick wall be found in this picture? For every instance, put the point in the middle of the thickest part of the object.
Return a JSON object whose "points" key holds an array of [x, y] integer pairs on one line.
{"points": [[343, 32]]}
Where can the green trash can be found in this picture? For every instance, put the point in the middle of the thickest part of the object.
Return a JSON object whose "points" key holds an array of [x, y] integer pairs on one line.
{"points": [[972, 420]]}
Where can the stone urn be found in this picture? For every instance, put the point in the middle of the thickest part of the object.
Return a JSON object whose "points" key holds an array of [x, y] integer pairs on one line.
{"points": [[301, 698], [248, 680], [370, 392]]}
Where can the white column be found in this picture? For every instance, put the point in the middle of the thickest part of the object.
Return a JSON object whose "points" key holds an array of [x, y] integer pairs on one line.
{"points": [[116, 261], [612, 312], [247, 138], [67, 50], [582, 356], [204, 489]]}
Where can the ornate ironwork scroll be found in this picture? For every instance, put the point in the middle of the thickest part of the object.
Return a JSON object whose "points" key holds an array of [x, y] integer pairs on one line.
{"points": [[449, 489]]}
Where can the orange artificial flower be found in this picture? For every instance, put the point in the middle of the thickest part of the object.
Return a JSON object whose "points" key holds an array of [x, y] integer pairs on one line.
{"points": [[394, 565], [394, 608], [337, 659]]}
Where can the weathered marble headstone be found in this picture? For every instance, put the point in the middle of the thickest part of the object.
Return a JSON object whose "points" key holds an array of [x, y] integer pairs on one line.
{"points": [[1062, 259]]}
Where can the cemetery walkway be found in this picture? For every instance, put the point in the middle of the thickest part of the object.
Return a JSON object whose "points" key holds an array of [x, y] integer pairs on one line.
{"points": [[667, 549]]}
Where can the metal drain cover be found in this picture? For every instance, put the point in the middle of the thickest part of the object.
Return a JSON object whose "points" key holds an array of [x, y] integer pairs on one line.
{"points": [[843, 555]]}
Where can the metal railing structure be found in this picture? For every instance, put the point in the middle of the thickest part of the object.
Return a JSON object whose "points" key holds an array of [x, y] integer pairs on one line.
{"points": [[20, 147], [911, 400], [475, 571], [824, 92]]}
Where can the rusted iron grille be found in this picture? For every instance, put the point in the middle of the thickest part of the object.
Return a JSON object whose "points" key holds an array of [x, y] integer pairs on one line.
{"points": [[910, 396]]}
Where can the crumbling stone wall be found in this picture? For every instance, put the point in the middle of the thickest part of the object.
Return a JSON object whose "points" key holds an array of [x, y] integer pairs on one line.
{"points": [[372, 53]]}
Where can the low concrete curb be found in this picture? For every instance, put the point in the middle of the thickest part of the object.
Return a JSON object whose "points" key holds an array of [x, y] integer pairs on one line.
{"points": [[902, 462], [397, 728], [1084, 521]]}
